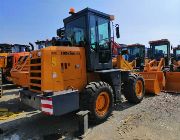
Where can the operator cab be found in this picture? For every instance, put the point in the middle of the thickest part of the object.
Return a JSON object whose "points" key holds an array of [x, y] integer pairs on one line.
{"points": [[43, 44], [5, 48], [176, 52], [91, 29], [20, 48], [160, 49], [17, 48], [136, 52]]}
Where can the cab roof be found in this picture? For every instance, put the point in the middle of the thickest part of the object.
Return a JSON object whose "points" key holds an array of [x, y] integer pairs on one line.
{"points": [[156, 42], [20, 45], [177, 48], [136, 45], [85, 12], [5, 44]]}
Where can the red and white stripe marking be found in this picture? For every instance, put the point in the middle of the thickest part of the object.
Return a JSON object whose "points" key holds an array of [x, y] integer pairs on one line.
{"points": [[47, 106]]}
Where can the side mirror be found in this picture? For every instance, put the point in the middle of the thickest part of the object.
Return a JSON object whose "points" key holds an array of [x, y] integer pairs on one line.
{"points": [[171, 47], [117, 31], [32, 46], [60, 32]]}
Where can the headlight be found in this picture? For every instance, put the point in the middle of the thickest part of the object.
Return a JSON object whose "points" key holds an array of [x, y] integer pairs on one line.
{"points": [[39, 54]]}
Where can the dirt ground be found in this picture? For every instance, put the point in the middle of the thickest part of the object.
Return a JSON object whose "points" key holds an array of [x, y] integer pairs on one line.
{"points": [[155, 118]]}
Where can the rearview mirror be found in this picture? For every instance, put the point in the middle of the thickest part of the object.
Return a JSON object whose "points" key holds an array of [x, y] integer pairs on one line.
{"points": [[60, 32], [32, 46], [117, 31]]}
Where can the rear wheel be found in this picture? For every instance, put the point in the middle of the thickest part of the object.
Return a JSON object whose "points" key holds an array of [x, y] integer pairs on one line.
{"points": [[98, 99], [134, 88]]}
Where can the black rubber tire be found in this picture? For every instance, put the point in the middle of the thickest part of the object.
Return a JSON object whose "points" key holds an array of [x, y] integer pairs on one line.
{"points": [[128, 89], [89, 97]]}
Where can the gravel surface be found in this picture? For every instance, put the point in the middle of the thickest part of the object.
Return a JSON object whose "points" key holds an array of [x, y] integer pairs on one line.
{"points": [[155, 118]]}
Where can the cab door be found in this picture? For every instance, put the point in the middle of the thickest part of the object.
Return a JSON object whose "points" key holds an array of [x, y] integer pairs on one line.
{"points": [[100, 47], [104, 48]]}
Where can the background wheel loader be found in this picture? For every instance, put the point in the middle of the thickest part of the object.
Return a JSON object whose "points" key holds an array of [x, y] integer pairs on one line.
{"points": [[150, 70], [176, 59], [78, 74], [133, 56], [173, 76], [158, 73], [9, 57], [20, 72], [136, 52]]}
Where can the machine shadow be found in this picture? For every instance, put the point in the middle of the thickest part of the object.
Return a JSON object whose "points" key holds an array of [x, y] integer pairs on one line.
{"points": [[123, 106], [8, 92], [41, 127], [46, 127]]}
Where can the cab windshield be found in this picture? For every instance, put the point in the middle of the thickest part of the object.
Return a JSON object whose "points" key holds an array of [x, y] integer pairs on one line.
{"points": [[99, 33], [135, 52], [160, 51], [178, 54], [103, 31], [17, 48]]}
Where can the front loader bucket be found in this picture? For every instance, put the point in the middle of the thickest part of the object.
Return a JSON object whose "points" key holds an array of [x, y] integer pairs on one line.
{"points": [[172, 82], [154, 81]]}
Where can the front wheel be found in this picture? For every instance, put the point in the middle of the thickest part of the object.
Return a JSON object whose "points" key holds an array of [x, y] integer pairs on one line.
{"points": [[98, 99], [134, 89]]}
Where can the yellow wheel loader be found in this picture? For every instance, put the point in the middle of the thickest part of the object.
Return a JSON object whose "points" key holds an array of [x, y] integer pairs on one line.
{"points": [[78, 73], [173, 76], [158, 74], [176, 59], [20, 72], [136, 52], [151, 70], [9, 56]]}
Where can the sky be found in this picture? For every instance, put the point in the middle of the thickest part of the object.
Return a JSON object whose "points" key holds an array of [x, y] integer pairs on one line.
{"points": [[24, 21]]}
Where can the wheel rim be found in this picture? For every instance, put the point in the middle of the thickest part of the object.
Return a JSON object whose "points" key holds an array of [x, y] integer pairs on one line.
{"points": [[139, 88], [102, 103]]}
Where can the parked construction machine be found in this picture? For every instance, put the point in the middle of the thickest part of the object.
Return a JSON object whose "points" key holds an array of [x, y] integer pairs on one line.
{"points": [[9, 58], [176, 59], [20, 72], [43, 43], [159, 73], [4, 50], [134, 55], [78, 74], [173, 76], [137, 52], [118, 51]]}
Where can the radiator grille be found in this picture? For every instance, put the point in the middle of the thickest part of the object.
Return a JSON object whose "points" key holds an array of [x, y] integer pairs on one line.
{"points": [[35, 74]]}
